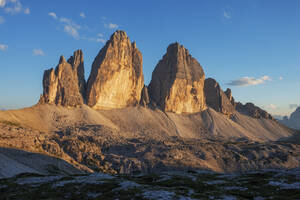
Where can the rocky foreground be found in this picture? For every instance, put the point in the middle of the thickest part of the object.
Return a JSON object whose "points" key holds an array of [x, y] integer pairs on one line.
{"points": [[183, 185]]}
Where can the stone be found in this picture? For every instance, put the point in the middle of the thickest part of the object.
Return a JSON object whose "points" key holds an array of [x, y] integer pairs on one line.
{"points": [[253, 111], [116, 79], [145, 99], [177, 82], [65, 84], [216, 98], [229, 96], [78, 67]]}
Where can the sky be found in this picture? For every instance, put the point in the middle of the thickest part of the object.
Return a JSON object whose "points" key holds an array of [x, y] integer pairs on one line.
{"points": [[250, 46]]}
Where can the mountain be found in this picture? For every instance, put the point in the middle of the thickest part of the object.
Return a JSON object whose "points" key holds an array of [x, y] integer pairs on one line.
{"points": [[65, 85], [293, 121], [116, 79], [177, 82], [114, 123], [216, 98]]}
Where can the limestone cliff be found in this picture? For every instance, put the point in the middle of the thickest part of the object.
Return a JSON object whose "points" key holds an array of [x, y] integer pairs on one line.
{"points": [[177, 82], [216, 98], [116, 79], [65, 84]]}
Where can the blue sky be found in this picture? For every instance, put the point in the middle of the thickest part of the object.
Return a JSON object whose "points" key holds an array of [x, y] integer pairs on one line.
{"points": [[251, 46]]}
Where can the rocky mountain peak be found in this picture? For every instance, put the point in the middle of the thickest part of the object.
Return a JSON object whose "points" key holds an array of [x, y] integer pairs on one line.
{"points": [[62, 85], [62, 60], [216, 98], [116, 79], [177, 82]]}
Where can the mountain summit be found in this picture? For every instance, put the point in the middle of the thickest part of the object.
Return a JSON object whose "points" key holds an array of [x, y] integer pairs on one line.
{"points": [[116, 79], [177, 82]]}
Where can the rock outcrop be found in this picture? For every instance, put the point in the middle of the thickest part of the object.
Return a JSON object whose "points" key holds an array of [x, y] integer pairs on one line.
{"points": [[177, 82], [65, 84], [78, 67], [253, 111], [229, 96], [145, 99], [116, 79], [216, 98]]}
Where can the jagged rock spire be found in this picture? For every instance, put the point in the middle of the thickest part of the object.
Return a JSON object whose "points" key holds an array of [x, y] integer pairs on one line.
{"points": [[177, 82], [116, 79]]}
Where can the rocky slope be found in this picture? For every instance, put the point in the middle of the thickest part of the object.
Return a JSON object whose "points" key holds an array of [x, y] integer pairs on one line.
{"points": [[216, 98], [253, 111], [14, 162], [177, 82], [116, 79], [141, 139], [171, 185], [65, 84]]}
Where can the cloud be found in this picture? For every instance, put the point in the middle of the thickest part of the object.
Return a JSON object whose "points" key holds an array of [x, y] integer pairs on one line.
{"points": [[14, 7], [27, 11], [227, 13], [82, 15], [247, 81], [38, 52], [70, 27], [2, 20], [71, 31], [112, 26], [293, 106], [3, 47], [52, 14], [2, 3], [100, 40], [272, 106]]}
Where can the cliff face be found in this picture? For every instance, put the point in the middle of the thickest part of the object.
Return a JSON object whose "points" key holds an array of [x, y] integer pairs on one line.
{"points": [[116, 79], [177, 82], [216, 98], [253, 111], [65, 84]]}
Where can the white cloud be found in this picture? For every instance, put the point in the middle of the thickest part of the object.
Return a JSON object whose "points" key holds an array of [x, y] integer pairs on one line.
{"points": [[280, 78], [82, 15], [112, 26], [52, 14], [100, 40], [13, 7], [71, 27], [100, 35], [2, 3], [227, 13], [272, 106], [3, 47], [71, 31], [247, 81], [27, 11], [2, 20], [38, 52]]}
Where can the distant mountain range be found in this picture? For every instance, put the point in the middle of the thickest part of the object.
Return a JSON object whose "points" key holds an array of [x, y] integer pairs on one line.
{"points": [[293, 121]]}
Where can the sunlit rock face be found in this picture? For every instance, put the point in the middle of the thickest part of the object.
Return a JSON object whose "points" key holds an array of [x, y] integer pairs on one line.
{"points": [[65, 85], [216, 98], [116, 79], [177, 82]]}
